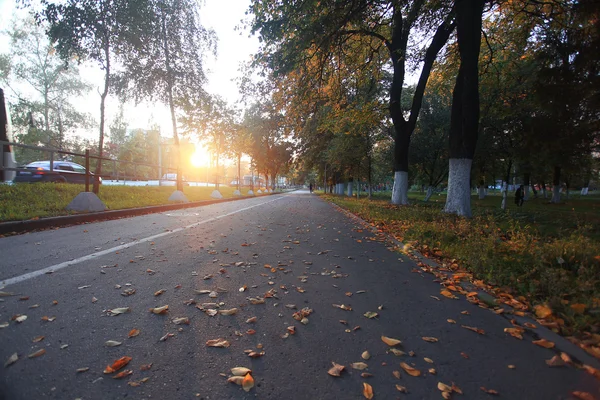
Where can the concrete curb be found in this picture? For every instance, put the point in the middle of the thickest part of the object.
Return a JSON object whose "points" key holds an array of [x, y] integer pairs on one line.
{"points": [[16, 227]]}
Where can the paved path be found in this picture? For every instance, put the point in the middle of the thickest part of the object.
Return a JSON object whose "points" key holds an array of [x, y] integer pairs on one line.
{"points": [[298, 248]]}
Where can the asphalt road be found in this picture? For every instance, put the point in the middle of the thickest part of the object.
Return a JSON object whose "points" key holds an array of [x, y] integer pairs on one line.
{"points": [[303, 250]]}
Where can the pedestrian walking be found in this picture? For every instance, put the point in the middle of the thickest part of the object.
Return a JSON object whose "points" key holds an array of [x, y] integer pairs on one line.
{"points": [[519, 196], [310, 187]]}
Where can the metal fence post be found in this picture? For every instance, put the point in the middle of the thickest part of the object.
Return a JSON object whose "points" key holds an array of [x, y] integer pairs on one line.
{"points": [[87, 170]]}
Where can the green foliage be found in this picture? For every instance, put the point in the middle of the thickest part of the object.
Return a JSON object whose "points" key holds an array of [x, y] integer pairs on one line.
{"points": [[548, 253]]}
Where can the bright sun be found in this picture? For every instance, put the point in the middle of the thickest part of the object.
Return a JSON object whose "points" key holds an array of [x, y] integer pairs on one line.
{"points": [[200, 157]]}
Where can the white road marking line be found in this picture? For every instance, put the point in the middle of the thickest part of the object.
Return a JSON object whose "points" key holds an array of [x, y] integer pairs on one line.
{"points": [[53, 268]]}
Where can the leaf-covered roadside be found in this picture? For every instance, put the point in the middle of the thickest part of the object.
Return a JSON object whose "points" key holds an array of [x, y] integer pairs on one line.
{"points": [[561, 272]]}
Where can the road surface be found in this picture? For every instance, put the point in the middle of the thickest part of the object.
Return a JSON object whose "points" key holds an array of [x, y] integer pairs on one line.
{"points": [[284, 252]]}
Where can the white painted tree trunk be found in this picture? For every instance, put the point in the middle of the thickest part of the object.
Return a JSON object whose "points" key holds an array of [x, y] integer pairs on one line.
{"points": [[504, 195], [400, 189], [584, 191], [526, 192], [349, 189], [428, 194], [458, 200], [555, 194], [481, 191]]}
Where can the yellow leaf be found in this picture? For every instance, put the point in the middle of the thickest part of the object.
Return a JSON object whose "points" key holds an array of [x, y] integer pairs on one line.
{"points": [[365, 355], [401, 389], [396, 374], [542, 311], [247, 383], [430, 339], [231, 311], [240, 371], [429, 360], [220, 342], [451, 321], [367, 391], [336, 369], [359, 366], [410, 370], [544, 343], [236, 379], [159, 310], [390, 341], [443, 387]]}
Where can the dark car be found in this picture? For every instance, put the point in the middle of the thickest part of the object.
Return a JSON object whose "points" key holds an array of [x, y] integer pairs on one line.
{"points": [[63, 171]]}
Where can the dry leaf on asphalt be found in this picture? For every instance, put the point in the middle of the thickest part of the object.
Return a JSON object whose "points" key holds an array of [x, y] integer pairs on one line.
{"points": [[181, 320], [489, 391], [451, 321], [231, 311], [401, 389], [583, 395], [336, 369], [119, 311], [365, 355], [12, 359], [247, 383], [430, 339], [84, 369], [396, 374], [555, 361], [592, 371], [117, 365], [367, 391], [390, 341], [145, 367], [542, 311], [371, 314], [159, 292], [166, 336], [123, 374], [342, 307], [396, 352], [160, 310], [133, 333], [474, 329], [410, 370], [37, 353], [240, 371], [20, 318], [112, 343], [359, 366], [429, 360], [236, 379], [515, 332], [544, 343], [220, 342], [38, 339]]}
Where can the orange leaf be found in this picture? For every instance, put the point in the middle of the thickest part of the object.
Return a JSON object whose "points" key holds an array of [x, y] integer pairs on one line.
{"points": [[123, 374], [133, 333], [410, 370], [117, 365], [220, 342], [145, 367], [401, 389], [583, 395], [367, 391], [336, 369], [390, 341], [592, 371], [429, 339], [489, 391], [544, 343], [447, 294], [472, 328], [248, 383], [578, 308], [542, 311]]}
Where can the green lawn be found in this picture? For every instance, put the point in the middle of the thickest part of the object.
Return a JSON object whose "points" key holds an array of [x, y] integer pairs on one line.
{"points": [[27, 201], [549, 253]]}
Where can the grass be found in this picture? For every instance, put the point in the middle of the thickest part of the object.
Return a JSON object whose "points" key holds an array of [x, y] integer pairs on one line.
{"points": [[27, 201], [549, 253]]}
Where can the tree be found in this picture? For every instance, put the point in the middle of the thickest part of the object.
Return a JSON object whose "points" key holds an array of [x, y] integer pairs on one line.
{"points": [[381, 27], [166, 62], [464, 118]]}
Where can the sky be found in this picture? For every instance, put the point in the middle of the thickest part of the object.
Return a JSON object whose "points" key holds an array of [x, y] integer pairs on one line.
{"points": [[234, 47]]}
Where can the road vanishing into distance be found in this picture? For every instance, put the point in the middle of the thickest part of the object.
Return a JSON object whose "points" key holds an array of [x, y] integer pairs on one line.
{"points": [[288, 284]]}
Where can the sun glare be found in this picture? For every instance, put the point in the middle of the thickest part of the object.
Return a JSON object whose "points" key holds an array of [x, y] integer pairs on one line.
{"points": [[200, 157]]}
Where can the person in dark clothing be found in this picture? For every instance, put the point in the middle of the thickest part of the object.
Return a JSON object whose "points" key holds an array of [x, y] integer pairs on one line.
{"points": [[519, 196], [310, 187]]}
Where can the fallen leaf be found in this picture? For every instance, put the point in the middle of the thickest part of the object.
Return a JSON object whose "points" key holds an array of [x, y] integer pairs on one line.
{"points": [[4, 325], [396, 374], [396, 352], [38, 339], [145, 367], [84, 369], [12, 359], [566, 358], [359, 366], [342, 307], [583, 395], [448, 294], [123, 374], [166, 336], [578, 308], [515, 332], [429, 360], [240, 371], [112, 343], [443, 387], [555, 361], [133, 333], [128, 292], [247, 383], [254, 300], [530, 325], [510, 366], [20, 318], [432, 371], [410, 370], [181, 320], [220, 342], [489, 391], [464, 355], [451, 321], [401, 389], [291, 330], [472, 328], [371, 314], [117, 365], [365, 355], [255, 354], [119, 311], [390, 341], [336, 369], [236, 379], [592, 371], [202, 291], [231, 311], [544, 343], [37, 353], [542, 311], [367, 391], [159, 292], [250, 332], [430, 339], [160, 310], [6, 294]]}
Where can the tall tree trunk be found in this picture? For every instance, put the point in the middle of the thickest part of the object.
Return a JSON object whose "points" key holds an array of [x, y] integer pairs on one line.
{"points": [[239, 170], [464, 120], [428, 194], [98, 173], [505, 186], [556, 186]]}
